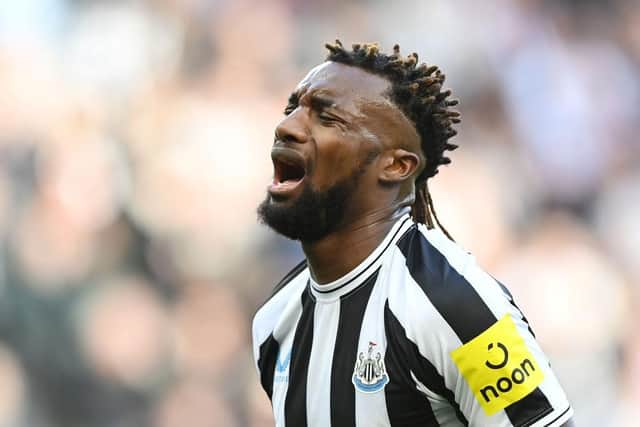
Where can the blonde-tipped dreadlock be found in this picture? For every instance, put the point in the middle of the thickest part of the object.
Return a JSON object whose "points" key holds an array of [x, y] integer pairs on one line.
{"points": [[417, 91]]}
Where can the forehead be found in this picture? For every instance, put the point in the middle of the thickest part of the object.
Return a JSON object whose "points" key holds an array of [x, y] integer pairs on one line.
{"points": [[348, 86]]}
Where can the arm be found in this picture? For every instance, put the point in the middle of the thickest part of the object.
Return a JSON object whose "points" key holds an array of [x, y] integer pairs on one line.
{"points": [[479, 342]]}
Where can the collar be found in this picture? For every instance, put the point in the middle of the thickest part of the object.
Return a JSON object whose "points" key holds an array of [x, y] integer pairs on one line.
{"points": [[332, 291]]}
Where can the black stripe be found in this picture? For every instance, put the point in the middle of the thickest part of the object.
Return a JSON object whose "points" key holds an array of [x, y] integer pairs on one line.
{"points": [[406, 406], [343, 399], [531, 408], [450, 293], [267, 363], [462, 308], [325, 291], [295, 405]]}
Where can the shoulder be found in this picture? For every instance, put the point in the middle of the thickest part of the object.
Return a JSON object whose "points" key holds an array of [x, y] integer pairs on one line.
{"points": [[458, 319], [285, 284], [290, 286], [441, 281], [429, 251]]}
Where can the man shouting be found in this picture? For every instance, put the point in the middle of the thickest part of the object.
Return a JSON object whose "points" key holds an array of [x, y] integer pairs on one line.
{"points": [[387, 322]]}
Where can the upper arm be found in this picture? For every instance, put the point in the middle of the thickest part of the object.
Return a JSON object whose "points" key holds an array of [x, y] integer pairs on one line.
{"points": [[502, 373], [479, 340]]}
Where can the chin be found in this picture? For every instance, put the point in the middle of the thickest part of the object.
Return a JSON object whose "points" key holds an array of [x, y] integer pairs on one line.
{"points": [[304, 213], [308, 216]]}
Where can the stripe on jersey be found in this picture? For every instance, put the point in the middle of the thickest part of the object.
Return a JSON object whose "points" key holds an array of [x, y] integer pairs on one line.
{"points": [[325, 322], [403, 357], [352, 308], [295, 405], [512, 301], [462, 308], [558, 417], [267, 363], [454, 298]]}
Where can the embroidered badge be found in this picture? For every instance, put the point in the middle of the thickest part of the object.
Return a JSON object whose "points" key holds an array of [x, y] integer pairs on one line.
{"points": [[369, 374]]}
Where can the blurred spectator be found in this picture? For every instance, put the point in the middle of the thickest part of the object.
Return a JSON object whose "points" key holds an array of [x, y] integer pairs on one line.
{"points": [[134, 148], [12, 388]]}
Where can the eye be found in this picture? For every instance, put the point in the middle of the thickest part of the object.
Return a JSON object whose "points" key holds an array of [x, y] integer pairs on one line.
{"points": [[289, 109], [326, 118]]}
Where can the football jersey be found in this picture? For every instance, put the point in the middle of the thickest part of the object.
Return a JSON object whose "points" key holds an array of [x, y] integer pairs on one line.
{"points": [[416, 335]]}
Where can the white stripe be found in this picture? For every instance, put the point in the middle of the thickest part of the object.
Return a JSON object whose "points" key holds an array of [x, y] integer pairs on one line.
{"points": [[371, 408], [325, 328], [280, 311], [558, 416], [281, 380]]}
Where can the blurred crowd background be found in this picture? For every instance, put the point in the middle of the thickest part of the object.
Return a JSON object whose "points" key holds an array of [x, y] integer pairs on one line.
{"points": [[134, 148]]}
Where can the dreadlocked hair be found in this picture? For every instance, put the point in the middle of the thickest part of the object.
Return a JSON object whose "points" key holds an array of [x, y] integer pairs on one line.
{"points": [[417, 91]]}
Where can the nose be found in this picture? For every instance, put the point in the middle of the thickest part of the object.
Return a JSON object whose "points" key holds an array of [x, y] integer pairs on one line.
{"points": [[292, 129]]}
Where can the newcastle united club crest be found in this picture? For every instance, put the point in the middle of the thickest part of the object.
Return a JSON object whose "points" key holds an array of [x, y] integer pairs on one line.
{"points": [[369, 375]]}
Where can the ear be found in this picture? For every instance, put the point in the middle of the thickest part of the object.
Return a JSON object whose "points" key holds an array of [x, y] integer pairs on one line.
{"points": [[398, 165]]}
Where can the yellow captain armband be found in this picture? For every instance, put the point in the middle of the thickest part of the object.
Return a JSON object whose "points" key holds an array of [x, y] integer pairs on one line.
{"points": [[498, 366]]}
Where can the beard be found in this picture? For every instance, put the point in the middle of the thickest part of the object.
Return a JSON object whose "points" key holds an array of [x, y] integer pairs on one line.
{"points": [[314, 214]]}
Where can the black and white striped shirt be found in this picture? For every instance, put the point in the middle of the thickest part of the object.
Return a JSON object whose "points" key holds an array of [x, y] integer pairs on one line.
{"points": [[416, 335]]}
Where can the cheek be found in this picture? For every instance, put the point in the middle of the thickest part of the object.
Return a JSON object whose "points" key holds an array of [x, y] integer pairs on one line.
{"points": [[336, 158]]}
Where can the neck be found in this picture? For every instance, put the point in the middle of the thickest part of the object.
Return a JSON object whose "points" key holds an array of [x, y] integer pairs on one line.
{"points": [[341, 251]]}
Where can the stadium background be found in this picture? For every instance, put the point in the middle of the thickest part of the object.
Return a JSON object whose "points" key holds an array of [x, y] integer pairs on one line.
{"points": [[134, 147]]}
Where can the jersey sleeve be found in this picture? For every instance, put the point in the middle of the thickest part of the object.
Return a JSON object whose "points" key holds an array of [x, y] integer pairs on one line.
{"points": [[503, 377], [467, 326]]}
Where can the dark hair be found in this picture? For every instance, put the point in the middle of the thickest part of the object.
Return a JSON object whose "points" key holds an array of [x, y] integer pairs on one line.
{"points": [[417, 91]]}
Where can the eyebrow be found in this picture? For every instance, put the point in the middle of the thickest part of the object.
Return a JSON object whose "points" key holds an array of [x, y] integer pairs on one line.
{"points": [[317, 101]]}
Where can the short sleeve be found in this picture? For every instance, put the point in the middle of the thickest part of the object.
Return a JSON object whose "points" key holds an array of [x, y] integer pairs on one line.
{"points": [[501, 373], [468, 327]]}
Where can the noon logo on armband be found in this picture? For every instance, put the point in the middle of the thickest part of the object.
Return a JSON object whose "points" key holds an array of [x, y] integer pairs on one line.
{"points": [[498, 366]]}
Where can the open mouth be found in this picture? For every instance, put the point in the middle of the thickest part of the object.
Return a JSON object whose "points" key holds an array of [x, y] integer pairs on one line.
{"points": [[288, 171], [285, 171]]}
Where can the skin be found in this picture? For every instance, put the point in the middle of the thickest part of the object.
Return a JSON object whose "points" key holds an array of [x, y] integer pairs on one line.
{"points": [[340, 115]]}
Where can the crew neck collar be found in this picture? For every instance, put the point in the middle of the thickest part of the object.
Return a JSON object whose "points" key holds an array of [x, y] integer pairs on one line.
{"points": [[331, 291]]}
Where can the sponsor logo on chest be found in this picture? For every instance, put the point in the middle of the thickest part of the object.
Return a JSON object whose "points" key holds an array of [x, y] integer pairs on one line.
{"points": [[282, 367]]}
